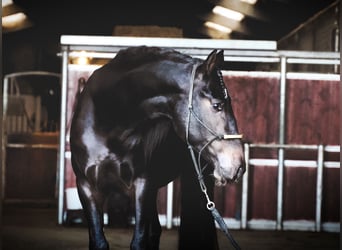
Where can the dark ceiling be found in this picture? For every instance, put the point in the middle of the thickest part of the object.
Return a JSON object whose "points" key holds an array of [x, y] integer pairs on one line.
{"points": [[266, 20]]}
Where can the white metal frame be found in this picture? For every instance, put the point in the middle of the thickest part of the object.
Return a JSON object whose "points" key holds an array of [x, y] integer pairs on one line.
{"points": [[4, 131], [234, 51]]}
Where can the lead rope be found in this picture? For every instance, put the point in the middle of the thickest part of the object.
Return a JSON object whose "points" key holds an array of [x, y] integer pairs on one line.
{"points": [[197, 163]]}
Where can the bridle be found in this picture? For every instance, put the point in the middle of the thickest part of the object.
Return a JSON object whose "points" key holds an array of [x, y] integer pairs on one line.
{"points": [[197, 162]]}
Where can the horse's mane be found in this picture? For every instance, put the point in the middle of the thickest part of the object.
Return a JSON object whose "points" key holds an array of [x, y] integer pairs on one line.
{"points": [[135, 56]]}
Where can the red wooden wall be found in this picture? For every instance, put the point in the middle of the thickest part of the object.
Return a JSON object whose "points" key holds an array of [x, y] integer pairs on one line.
{"points": [[312, 117]]}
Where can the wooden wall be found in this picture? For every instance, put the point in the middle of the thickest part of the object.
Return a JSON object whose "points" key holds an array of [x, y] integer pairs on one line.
{"points": [[312, 117], [31, 172]]}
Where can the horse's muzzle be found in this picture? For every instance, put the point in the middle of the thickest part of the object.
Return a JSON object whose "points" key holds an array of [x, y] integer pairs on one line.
{"points": [[230, 165]]}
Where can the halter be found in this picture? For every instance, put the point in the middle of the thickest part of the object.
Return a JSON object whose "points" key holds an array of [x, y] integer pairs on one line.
{"points": [[197, 163]]}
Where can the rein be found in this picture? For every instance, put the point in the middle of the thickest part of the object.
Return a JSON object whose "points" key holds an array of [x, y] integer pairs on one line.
{"points": [[197, 162]]}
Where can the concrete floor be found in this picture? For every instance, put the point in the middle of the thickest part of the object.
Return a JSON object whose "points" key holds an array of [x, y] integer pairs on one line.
{"points": [[37, 229]]}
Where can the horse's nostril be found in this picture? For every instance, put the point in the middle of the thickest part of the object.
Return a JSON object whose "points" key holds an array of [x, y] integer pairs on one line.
{"points": [[239, 173]]}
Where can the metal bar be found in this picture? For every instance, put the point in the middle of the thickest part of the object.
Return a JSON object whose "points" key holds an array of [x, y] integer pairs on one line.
{"points": [[167, 42], [313, 76], [169, 205], [39, 146], [290, 75], [112, 51], [313, 61], [293, 163], [227, 57], [319, 186], [280, 188], [332, 148], [284, 146], [308, 54], [287, 163], [244, 199], [251, 59], [332, 164], [29, 73], [4, 137], [282, 103], [61, 156]]}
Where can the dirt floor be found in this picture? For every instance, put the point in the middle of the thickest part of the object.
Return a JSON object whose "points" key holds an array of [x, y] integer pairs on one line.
{"points": [[36, 229]]}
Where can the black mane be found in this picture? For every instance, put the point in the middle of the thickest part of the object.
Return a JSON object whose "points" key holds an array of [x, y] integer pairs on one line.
{"points": [[135, 56]]}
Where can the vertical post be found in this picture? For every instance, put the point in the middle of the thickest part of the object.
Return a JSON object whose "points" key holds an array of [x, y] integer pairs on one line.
{"points": [[38, 114], [169, 205], [282, 104], [319, 186], [61, 153], [244, 199], [4, 136]]}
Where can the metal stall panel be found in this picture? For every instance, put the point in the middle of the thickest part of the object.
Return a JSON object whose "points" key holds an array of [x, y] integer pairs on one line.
{"points": [[256, 105], [255, 100], [106, 48], [30, 136], [261, 121], [312, 117]]}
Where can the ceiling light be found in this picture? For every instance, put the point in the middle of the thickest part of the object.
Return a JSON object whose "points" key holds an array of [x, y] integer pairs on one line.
{"points": [[249, 1], [6, 2], [228, 13], [218, 27], [81, 59], [13, 21]]}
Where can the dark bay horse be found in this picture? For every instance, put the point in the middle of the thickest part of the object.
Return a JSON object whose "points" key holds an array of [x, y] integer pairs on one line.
{"points": [[133, 124]]}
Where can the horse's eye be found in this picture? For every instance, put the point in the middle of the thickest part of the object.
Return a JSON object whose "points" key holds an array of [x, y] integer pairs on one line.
{"points": [[218, 106]]}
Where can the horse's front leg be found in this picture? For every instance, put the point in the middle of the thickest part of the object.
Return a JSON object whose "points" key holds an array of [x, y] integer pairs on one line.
{"points": [[92, 204], [147, 227], [197, 229]]}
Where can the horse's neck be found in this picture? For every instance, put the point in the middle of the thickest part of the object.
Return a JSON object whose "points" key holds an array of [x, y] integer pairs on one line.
{"points": [[144, 93]]}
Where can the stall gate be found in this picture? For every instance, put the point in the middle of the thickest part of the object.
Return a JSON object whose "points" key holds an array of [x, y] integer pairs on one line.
{"points": [[290, 122], [30, 125]]}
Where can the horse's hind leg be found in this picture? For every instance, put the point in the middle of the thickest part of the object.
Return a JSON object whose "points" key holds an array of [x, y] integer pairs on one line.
{"points": [[92, 203], [147, 227]]}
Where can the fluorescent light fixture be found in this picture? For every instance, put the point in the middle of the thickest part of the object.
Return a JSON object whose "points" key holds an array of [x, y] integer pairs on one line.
{"points": [[228, 13], [6, 2], [218, 27], [249, 1], [14, 20]]}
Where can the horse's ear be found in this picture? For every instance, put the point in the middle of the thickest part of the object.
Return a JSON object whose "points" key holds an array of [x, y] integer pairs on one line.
{"points": [[214, 60], [220, 59]]}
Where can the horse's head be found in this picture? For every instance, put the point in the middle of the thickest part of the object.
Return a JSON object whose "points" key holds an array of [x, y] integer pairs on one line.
{"points": [[210, 125]]}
